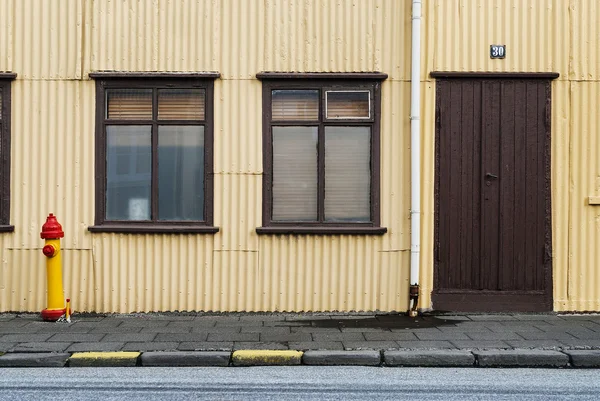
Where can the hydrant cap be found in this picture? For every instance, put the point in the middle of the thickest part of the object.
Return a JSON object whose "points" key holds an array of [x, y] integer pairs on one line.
{"points": [[51, 228]]}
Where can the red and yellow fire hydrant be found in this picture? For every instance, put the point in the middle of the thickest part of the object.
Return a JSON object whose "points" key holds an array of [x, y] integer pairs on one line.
{"points": [[52, 232]]}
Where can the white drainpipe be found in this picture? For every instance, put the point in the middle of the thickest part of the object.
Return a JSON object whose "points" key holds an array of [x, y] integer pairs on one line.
{"points": [[415, 156]]}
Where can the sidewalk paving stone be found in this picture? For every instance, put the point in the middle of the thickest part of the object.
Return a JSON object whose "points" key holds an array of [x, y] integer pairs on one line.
{"points": [[193, 323], [166, 329], [582, 344], [150, 346], [521, 358], [264, 345], [96, 347], [144, 323], [441, 336], [541, 344], [437, 358], [297, 337], [46, 359], [390, 336], [41, 347], [369, 345], [76, 337], [181, 337], [425, 344], [338, 358], [322, 336], [108, 329], [269, 330], [127, 337], [205, 358], [313, 329], [530, 335], [25, 338], [484, 344], [494, 336], [316, 345], [233, 337], [231, 329], [206, 346]]}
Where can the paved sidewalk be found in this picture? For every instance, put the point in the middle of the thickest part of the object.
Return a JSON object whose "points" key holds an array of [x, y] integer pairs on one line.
{"points": [[190, 332]]}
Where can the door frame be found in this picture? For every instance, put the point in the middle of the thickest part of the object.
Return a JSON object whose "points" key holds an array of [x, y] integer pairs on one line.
{"points": [[488, 300]]}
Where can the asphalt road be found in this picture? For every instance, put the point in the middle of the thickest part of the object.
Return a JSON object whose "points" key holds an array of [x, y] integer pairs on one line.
{"points": [[292, 383]]}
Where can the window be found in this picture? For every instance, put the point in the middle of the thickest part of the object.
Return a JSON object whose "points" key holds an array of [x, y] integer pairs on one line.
{"points": [[154, 154], [321, 153], [5, 97]]}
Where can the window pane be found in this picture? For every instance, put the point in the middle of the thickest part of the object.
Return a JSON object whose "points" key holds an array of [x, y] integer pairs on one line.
{"points": [[1, 104], [129, 171], [295, 105], [181, 104], [295, 173], [181, 172], [129, 104], [347, 174], [347, 104]]}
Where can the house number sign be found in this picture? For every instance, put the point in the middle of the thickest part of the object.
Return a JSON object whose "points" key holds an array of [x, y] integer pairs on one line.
{"points": [[497, 51]]}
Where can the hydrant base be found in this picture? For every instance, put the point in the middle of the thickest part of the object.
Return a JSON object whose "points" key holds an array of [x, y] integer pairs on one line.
{"points": [[52, 315]]}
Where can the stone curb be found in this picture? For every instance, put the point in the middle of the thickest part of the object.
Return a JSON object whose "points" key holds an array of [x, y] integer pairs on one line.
{"points": [[429, 358], [34, 360], [266, 358], [333, 358], [199, 358], [521, 358], [426, 358], [104, 359], [584, 358]]}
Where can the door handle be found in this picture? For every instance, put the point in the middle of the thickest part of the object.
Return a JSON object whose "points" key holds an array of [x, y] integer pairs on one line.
{"points": [[490, 176]]}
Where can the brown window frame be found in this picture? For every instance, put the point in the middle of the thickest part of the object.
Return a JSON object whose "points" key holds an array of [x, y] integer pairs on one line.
{"points": [[322, 82], [153, 81], [6, 79]]}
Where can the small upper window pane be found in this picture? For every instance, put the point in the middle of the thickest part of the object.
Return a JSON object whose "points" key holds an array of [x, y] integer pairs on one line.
{"points": [[347, 104], [129, 104], [181, 104], [295, 105]]}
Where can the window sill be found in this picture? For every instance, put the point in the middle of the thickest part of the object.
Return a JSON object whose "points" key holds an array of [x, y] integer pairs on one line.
{"points": [[6, 228], [322, 230], [153, 229]]}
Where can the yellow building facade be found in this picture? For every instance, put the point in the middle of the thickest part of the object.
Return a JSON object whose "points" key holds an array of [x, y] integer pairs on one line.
{"points": [[53, 50]]}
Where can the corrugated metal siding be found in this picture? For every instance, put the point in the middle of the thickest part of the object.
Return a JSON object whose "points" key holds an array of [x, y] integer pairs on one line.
{"points": [[238, 127], [6, 35], [585, 39], [152, 272], [47, 39], [584, 228], [395, 165], [536, 35], [238, 211], [52, 170], [311, 273]]}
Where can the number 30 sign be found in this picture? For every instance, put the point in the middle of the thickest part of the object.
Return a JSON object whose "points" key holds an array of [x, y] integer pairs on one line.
{"points": [[497, 51]]}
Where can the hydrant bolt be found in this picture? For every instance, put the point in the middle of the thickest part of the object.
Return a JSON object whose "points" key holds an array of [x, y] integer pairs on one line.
{"points": [[48, 251]]}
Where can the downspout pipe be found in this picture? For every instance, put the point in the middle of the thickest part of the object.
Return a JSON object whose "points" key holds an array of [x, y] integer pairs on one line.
{"points": [[415, 158]]}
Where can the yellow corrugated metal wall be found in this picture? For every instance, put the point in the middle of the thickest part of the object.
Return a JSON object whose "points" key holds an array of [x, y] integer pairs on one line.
{"points": [[53, 49]]}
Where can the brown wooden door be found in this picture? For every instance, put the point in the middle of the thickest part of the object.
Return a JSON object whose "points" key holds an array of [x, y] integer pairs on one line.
{"points": [[492, 238]]}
